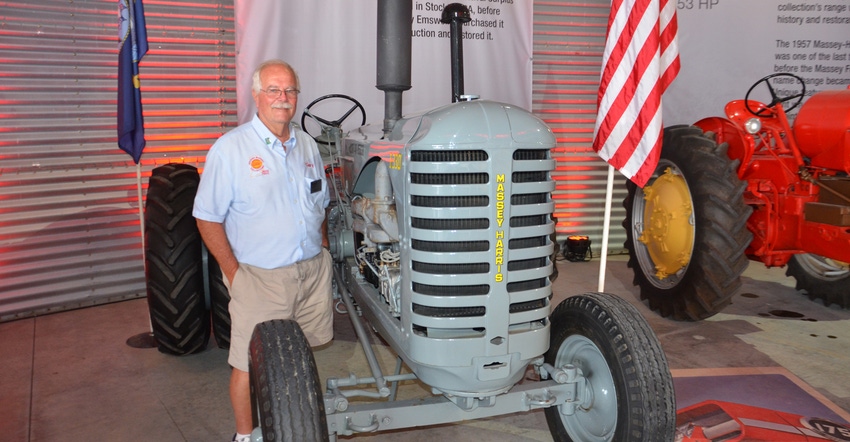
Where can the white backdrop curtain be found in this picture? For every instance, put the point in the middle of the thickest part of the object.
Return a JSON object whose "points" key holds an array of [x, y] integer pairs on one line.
{"points": [[332, 44]]}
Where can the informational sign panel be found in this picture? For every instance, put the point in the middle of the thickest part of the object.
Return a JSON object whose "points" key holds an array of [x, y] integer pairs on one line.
{"points": [[728, 45], [332, 44]]}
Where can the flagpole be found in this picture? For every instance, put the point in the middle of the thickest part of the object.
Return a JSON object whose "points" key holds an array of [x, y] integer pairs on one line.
{"points": [[145, 339], [606, 227], [141, 207], [142, 226]]}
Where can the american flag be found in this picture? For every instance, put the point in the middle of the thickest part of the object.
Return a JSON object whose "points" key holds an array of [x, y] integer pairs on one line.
{"points": [[641, 59]]}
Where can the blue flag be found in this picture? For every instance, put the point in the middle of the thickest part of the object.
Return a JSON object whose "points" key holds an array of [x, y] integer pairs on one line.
{"points": [[132, 46]]}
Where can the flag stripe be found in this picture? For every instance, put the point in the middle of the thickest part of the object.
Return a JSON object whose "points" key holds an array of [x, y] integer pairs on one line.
{"points": [[631, 128], [640, 61], [628, 69], [633, 92]]}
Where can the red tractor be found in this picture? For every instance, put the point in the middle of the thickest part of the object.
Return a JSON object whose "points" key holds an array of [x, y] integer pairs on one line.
{"points": [[747, 186]]}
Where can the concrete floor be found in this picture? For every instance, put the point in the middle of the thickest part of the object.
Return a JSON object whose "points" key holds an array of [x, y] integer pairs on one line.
{"points": [[71, 376]]}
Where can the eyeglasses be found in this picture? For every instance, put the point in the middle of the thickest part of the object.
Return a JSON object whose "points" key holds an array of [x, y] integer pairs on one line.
{"points": [[275, 93]]}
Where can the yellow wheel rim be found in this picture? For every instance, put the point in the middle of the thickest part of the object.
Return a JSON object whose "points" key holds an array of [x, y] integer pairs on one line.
{"points": [[668, 232]]}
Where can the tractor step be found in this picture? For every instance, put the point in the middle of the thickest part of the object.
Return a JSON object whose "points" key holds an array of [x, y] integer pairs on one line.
{"points": [[832, 214]]}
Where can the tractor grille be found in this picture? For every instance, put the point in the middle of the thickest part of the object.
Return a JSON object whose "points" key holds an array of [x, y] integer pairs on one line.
{"points": [[441, 290], [449, 201], [444, 156], [456, 238], [449, 224], [448, 178], [449, 247]]}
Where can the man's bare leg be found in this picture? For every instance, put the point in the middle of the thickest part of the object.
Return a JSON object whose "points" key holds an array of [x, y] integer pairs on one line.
{"points": [[240, 398]]}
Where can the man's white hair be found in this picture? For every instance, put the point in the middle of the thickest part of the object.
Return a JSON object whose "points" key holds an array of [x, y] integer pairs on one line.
{"points": [[257, 86]]}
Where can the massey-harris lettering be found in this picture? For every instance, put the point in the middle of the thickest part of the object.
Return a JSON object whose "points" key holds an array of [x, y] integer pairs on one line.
{"points": [[500, 233]]}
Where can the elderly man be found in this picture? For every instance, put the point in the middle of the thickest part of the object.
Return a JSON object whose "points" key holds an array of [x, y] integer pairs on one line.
{"points": [[260, 208]]}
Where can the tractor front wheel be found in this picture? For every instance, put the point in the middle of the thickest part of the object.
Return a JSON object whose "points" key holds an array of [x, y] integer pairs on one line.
{"points": [[821, 278], [628, 394], [686, 230], [285, 384]]}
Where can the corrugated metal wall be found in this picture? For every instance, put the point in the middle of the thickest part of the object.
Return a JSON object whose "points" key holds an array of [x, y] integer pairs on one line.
{"points": [[70, 231], [569, 38]]}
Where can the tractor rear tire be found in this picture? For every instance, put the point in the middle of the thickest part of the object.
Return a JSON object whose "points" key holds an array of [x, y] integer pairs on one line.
{"points": [[630, 394], [699, 280], [285, 384], [175, 279], [821, 278]]}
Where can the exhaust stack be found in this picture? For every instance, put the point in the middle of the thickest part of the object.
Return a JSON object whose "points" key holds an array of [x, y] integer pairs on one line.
{"points": [[394, 55]]}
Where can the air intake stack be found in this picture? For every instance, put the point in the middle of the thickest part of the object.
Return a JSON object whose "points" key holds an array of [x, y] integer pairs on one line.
{"points": [[455, 15]]}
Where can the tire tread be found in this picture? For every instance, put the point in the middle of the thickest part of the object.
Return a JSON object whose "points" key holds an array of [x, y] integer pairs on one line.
{"points": [[287, 389]]}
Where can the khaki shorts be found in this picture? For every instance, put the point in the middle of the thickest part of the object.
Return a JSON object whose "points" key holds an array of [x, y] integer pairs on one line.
{"points": [[301, 291]]}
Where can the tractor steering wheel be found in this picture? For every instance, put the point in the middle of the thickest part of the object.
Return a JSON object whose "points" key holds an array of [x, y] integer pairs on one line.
{"points": [[775, 99], [335, 123]]}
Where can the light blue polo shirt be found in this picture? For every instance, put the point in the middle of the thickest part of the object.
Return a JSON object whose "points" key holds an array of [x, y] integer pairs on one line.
{"points": [[272, 201]]}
